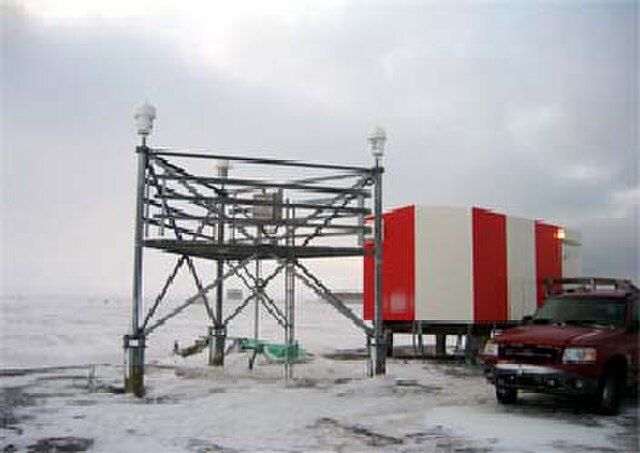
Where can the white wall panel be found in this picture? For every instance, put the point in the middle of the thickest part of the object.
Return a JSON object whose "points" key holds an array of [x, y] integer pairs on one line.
{"points": [[444, 264], [572, 253], [521, 267]]}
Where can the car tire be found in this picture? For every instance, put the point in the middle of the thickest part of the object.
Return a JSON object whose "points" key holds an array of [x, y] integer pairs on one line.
{"points": [[609, 392], [506, 395]]}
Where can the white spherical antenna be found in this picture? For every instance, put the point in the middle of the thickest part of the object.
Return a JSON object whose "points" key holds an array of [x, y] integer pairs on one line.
{"points": [[144, 116], [377, 139]]}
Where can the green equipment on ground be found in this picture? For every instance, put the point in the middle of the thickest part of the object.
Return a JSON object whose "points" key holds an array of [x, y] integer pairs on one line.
{"points": [[274, 352], [198, 346]]}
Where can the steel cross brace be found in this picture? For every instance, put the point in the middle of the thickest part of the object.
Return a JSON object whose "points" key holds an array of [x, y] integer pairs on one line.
{"points": [[344, 199], [189, 261], [196, 296], [164, 290], [325, 293], [174, 169], [266, 300], [239, 309]]}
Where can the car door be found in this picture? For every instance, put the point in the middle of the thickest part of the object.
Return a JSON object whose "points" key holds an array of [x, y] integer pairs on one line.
{"points": [[632, 340]]}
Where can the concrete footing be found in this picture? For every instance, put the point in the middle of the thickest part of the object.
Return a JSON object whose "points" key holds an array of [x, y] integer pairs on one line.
{"points": [[217, 340], [134, 371]]}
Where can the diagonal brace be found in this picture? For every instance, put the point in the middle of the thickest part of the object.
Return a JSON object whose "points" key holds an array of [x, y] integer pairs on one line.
{"points": [[325, 293], [197, 296], [164, 290], [192, 269], [239, 309], [267, 301]]}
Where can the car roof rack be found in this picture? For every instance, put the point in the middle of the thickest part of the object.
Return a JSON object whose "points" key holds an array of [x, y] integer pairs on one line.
{"points": [[588, 284]]}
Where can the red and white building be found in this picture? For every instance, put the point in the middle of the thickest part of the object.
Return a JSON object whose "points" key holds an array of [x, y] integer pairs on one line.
{"points": [[466, 265]]}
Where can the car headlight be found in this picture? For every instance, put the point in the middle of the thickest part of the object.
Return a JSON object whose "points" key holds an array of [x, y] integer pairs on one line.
{"points": [[579, 355], [490, 348]]}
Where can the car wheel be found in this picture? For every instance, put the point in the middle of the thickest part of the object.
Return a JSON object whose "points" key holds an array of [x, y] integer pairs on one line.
{"points": [[608, 398], [506, 395]]}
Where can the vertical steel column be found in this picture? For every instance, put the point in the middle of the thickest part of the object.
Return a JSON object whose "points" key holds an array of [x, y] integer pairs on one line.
{"points": [[379, 347], [361, 222], [219, 329], [258, 291], [134, 343], [289, 279], [290, 315], [218, 337]]}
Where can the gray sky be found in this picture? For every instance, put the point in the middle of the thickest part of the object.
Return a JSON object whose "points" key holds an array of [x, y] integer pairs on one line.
{"points": [[527, 108]]}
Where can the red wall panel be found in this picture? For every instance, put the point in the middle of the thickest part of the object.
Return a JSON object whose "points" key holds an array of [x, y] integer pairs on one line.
{"points": [[398, 268], [548, 256], [490, 299], [398, 256]]}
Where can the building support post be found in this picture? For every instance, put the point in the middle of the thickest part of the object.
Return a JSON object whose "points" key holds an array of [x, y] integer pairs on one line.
{"points": [[441, 345], [474, 339], [134, 343], [379, 346]]}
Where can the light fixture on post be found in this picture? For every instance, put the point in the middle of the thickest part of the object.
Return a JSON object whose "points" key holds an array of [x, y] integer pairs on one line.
{"points": [[377, 139], [144, 116], [134, 343]]}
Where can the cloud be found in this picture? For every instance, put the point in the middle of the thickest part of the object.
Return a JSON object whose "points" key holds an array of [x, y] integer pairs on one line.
{"points": [[626, 203], [530, 109]]}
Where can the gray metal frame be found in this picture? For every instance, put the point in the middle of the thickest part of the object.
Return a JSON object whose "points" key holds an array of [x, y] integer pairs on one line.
{"points": [[242, 220]]}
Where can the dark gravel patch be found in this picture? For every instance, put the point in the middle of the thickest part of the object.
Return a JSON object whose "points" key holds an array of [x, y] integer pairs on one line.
{"points": [[12, 398], [369, 437], [205, 446], [347, 354], [60, 444]]}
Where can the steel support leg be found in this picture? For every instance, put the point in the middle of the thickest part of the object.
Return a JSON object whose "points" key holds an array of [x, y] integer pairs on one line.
{"points": [[135, 342], [258, 289], [289, 281], [219, 329], [380, 345], [290, 316]]}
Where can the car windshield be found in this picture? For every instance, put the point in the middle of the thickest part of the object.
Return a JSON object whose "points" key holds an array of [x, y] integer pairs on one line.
{"points": [[604, 311]]}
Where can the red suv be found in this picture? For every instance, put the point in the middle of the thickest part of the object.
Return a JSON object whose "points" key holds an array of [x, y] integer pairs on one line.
{"points": [[582, 341]]}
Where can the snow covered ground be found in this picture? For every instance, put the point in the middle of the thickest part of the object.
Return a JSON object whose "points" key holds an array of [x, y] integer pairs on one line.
{"points": [[62, 362]]}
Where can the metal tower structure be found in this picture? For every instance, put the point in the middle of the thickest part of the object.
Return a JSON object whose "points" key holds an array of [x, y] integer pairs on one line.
{"points": [[280, 211]]}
